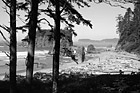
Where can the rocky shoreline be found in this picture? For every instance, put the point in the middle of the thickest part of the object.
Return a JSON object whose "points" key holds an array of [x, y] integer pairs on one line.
{"points": [[107, 62]]}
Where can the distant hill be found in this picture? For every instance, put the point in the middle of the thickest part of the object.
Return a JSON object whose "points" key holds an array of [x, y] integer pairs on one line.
{"points": [[87, 40], [97, 43], [114, 40]]}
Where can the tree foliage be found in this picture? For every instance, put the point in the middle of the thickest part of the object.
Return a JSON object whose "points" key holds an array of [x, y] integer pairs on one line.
{"points": [[128, 28]]}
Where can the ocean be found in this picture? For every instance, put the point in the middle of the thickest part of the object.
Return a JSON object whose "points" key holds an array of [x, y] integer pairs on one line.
{"points": [[41, 60]]}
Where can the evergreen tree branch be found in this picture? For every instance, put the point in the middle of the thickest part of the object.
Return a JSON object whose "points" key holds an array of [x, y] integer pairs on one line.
{"points": [[6, 53], [108, 2], [81, 3], [46, 21], [48, 12], [6, 10], [63, 8], [4, 37], [23, 28], [6, 28], [6, 3], [67, 23]]}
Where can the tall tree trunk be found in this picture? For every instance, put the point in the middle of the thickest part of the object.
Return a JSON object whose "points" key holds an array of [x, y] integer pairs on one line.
{"points": [[31, 44], [56, 48], [13, 47]]}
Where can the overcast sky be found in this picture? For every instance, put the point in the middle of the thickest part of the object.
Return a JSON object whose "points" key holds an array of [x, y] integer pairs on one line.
{"points": [[102, 16]]}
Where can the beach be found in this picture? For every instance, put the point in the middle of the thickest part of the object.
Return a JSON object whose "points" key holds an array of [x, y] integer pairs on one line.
{"points": [[107, 62], [42, 60], [103, 62]]}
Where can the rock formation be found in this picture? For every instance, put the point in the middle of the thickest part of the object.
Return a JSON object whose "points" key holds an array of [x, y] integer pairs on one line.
{"points": [[90, 48], [44, 39]]}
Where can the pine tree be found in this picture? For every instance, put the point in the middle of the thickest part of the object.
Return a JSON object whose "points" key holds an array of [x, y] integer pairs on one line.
{"points": [[128, 28], [13, 46], [31, 44]]}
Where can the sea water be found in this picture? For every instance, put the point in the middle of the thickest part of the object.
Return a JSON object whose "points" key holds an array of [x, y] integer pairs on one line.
{"points": [[41, 60]]}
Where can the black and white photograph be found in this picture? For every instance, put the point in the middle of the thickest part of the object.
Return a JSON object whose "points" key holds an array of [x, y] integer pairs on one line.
{"points": [[69, 46]]}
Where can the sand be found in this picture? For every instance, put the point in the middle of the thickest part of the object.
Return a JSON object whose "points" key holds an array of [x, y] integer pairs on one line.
{"points": [[107, 62]]}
